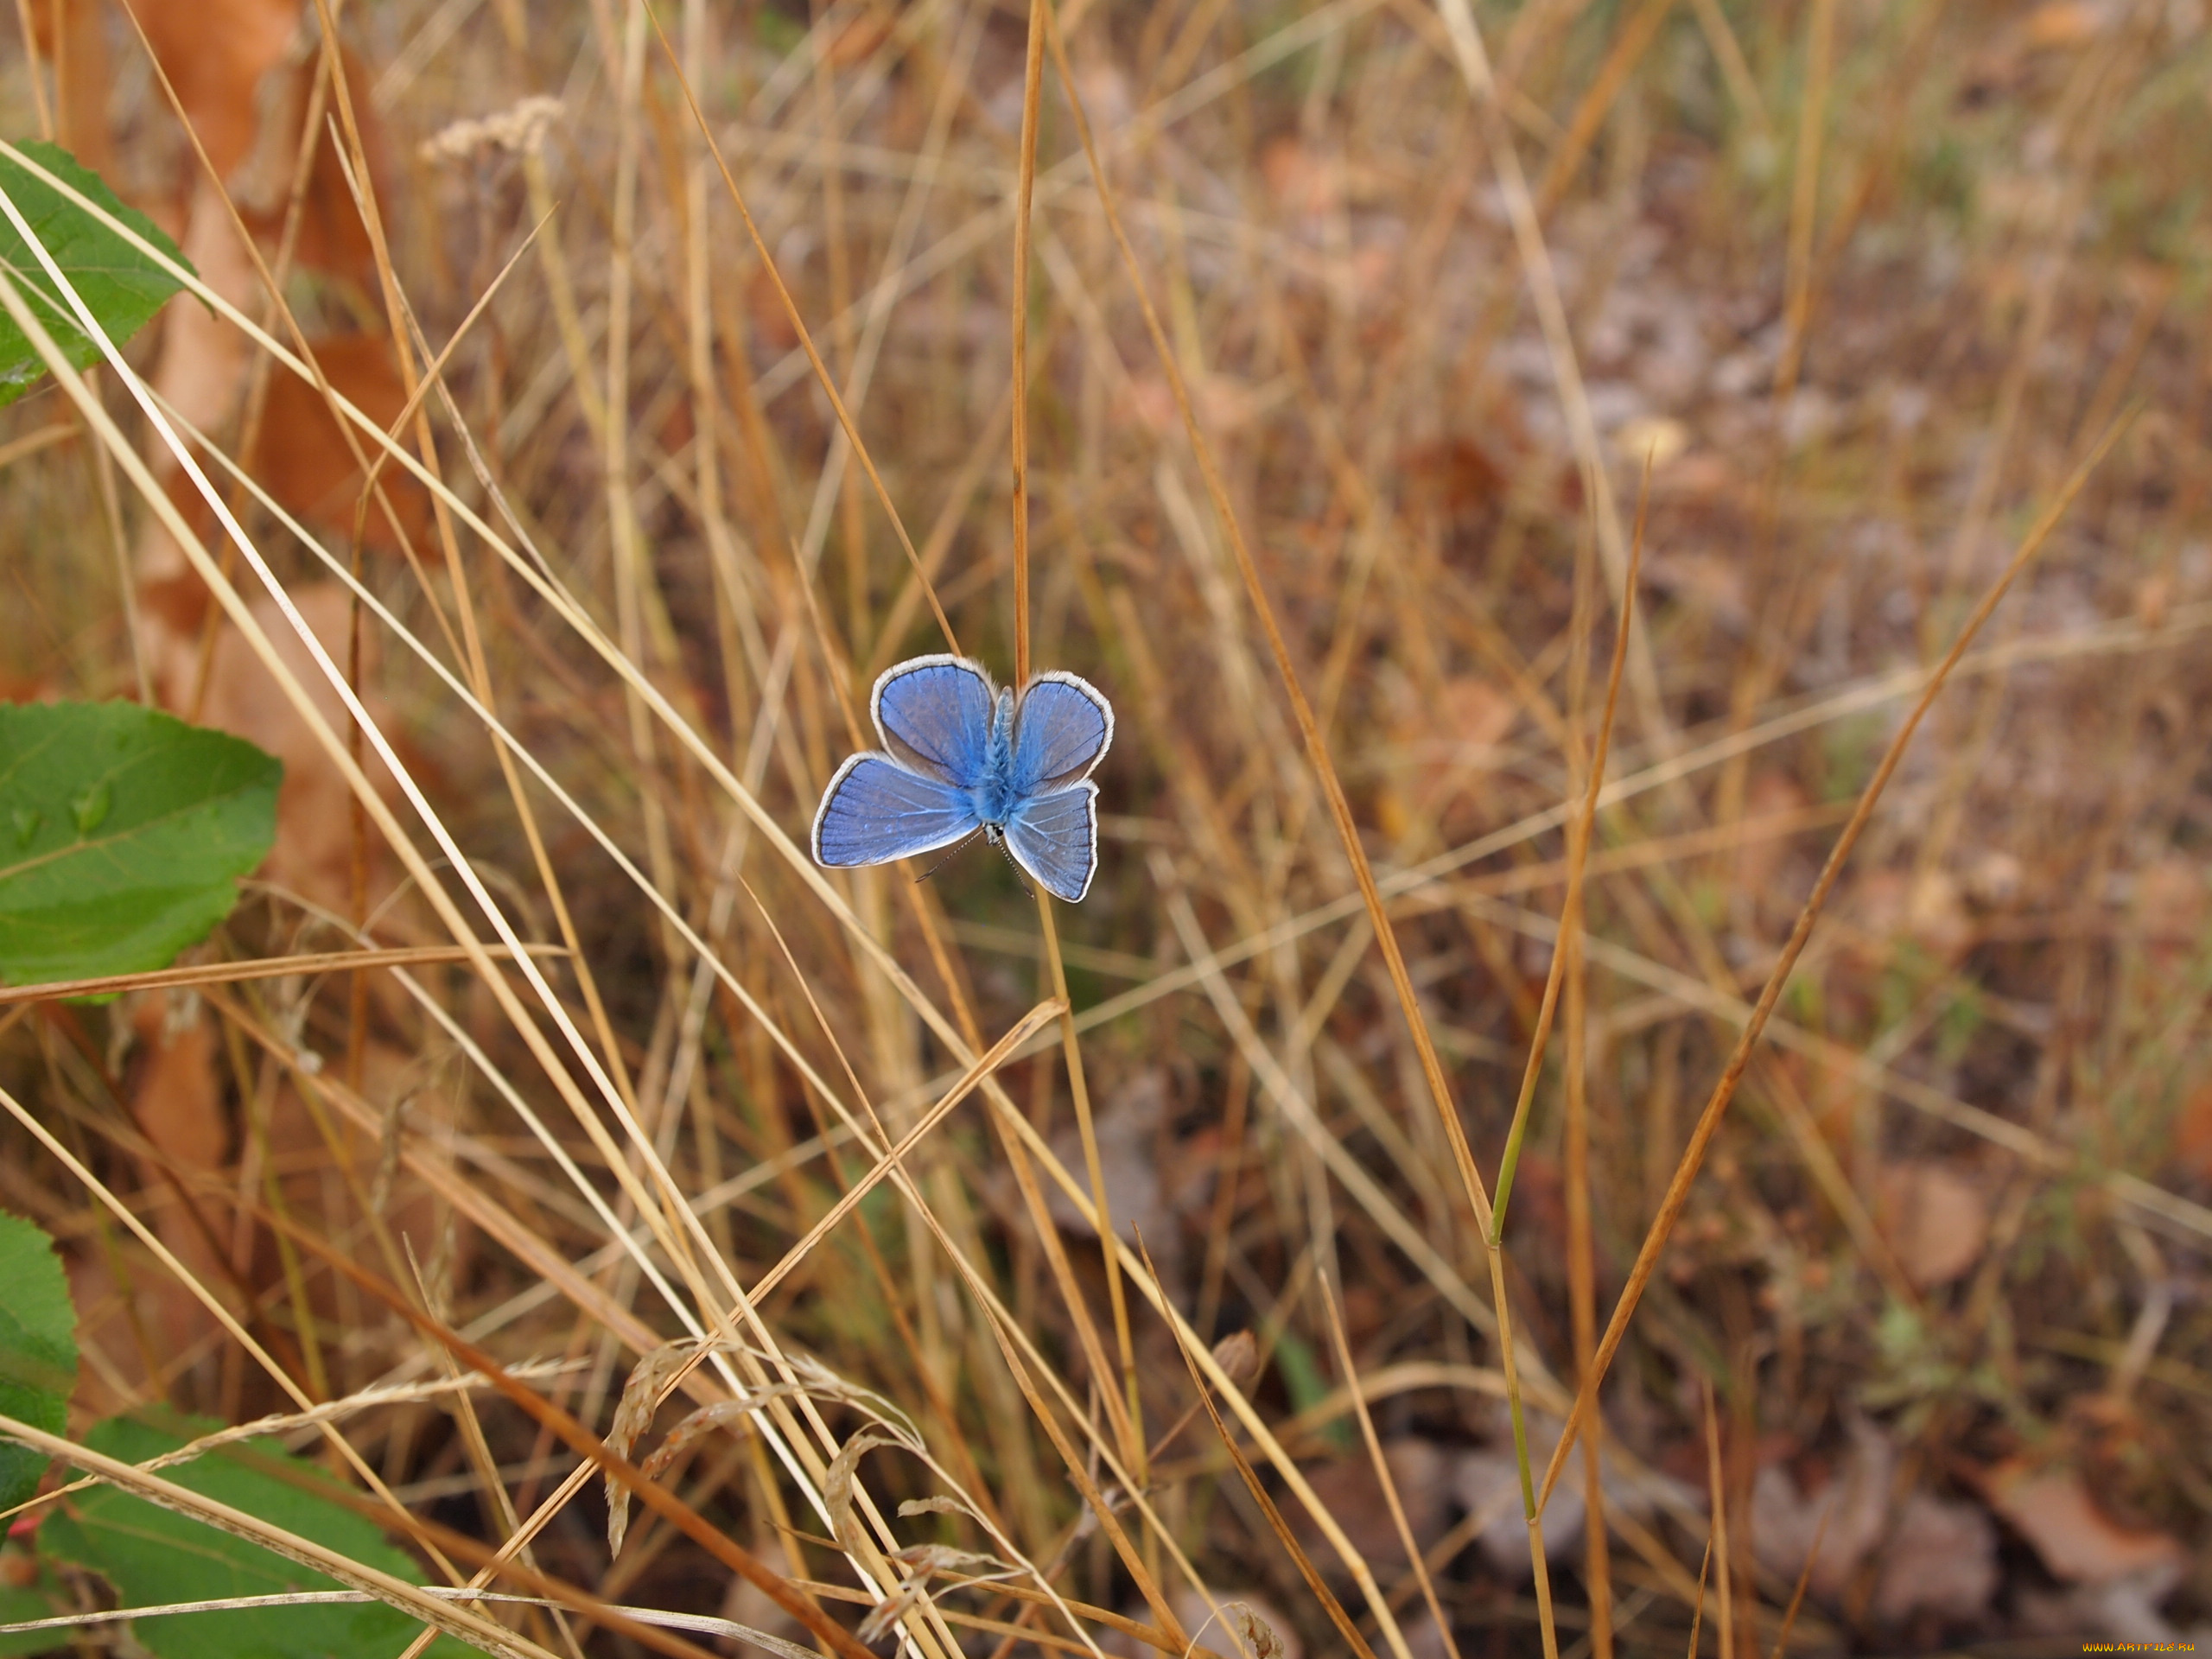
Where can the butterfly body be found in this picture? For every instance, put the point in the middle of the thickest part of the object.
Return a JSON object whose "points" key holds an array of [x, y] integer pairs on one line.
{"points": [[993, 797], [960, 756]]}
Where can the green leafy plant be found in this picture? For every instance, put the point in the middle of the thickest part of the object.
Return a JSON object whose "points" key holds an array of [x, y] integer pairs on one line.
{"points": [[22, 1604], [38, 1349], [122, 833], [151, 1556], [122, 288]]}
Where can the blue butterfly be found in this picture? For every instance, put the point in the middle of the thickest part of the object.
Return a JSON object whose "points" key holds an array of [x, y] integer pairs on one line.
{"points": [[965, 756]]}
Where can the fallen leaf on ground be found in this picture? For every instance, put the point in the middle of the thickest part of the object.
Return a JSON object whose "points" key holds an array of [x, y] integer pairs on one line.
{"points": [[1250, 1626], [2193, 1133], [1759, 860], [2062, 23], [860, 39], [1845, 1512], [134, 1318], [1488, 1486], [1452, 480], [2126, 1610], [314, 851], [300, 457], [1940, 1558], [1126, 1128], [1350, 1491], [215, 53], [1934, 1556], [2078, 1541], [2171, 898], [745, 1602], [171, 1083], [1303, 180], [1935, 1218]]}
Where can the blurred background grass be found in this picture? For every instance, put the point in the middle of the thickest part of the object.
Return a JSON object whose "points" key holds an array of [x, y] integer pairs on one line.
{"points": [[1847, 289]]}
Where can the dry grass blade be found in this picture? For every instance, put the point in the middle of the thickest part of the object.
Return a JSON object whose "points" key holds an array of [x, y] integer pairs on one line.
{"points": [[198, 1289], [580, 1441], [892, 1157], [806, 339], [434, 373], [1358, 1397], [1033, 83], [1804, 1579], [1697, 1612], [227, 973], [666, 1220], [330, 1411], [1284, 1537], [1563, 951], [1543, 288], [1317, 747], [521, 472], [1716, 1107], [1718, 1492], [1577, 854], [337, 750]]}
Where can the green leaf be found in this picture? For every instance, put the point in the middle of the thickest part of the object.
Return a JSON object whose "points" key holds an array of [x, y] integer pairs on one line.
{"points": [[20, 1607], [1303, 1382], [122, 833], [38, 1350], [152, 1556], [121, 286]]}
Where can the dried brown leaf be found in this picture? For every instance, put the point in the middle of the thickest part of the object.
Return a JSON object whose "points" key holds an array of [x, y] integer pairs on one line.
{"points": [[215, 53], [1258, 1638], [2052, 1508], [1488, 1486], [914, 1506], [1936, 1219], [1845, 1512], [640, 1397], [884, 1616], [1238, 1356], [2193, 1133], [313, 852], [929, 1560], [1758, 860], [1940, 1560], [734, 1414], [837, 1487], [1350, 1491]]}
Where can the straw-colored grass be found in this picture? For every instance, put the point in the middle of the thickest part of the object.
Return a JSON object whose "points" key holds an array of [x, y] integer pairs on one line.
{"points": [[1653, 564]]}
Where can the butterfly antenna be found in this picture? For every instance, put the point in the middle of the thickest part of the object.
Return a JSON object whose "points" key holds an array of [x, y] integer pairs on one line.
{"points": [[958, 846], [1016, 867]]}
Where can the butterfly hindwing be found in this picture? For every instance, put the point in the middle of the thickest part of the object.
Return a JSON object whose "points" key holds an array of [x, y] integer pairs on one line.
{"points": [[1055, 838], [876, 809], [1061, 730], [935, 715]]}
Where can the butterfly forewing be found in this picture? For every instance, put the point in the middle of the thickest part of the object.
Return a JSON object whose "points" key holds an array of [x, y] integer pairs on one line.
{"points": [[875, 811], [1060, 731], [1055, 838], [935, 715]]}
